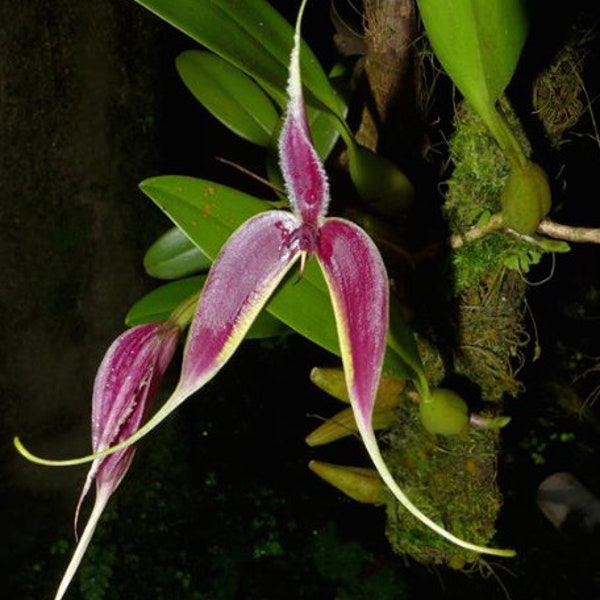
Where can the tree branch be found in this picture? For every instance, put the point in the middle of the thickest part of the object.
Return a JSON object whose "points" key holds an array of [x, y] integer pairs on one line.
{"points": [[569, 233], [494, 224]]}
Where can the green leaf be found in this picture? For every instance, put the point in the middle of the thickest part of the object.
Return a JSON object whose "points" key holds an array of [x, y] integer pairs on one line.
{"points": [[229, 95], [478, 43], [304, 305], [205, 211], [324, 131], [161, 302], [242, 106], [325, 126], [173, 256], [208, 213], [158, 304], [253, 37], [401, 342], [266, 326]]}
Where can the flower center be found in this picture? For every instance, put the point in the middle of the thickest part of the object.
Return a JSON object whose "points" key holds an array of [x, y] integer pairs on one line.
{"points": [[305, 238]]}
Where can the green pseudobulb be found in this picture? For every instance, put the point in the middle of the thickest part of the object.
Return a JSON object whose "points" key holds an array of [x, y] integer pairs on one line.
{"points": [[444, 412], [526, 198]]}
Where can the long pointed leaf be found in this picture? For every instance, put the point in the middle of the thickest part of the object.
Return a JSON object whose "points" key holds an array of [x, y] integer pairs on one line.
{"points": [[230, 95], [158, 304], [401, 343], [324, 131], [252, 36], [173, 256], [478, 43]]}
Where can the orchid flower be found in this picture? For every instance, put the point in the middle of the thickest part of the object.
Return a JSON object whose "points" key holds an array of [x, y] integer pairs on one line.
{"points": [[254, 261], [125, 384]]}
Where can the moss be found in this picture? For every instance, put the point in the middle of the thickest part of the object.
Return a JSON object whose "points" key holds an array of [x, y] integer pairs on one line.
{"points": [[480, 169], [451, 479], [473, 194], [472, 262], [486, 273]]}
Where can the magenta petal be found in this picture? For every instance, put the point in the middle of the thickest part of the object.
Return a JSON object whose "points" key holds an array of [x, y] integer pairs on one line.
{"points": [[358, 285], [129, 373], [125, 384], [126, 381], [243, 277], [305, 178]]}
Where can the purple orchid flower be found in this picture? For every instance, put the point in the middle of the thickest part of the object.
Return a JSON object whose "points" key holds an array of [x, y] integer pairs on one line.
{"points": [[254, 261], [125, 384]]}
